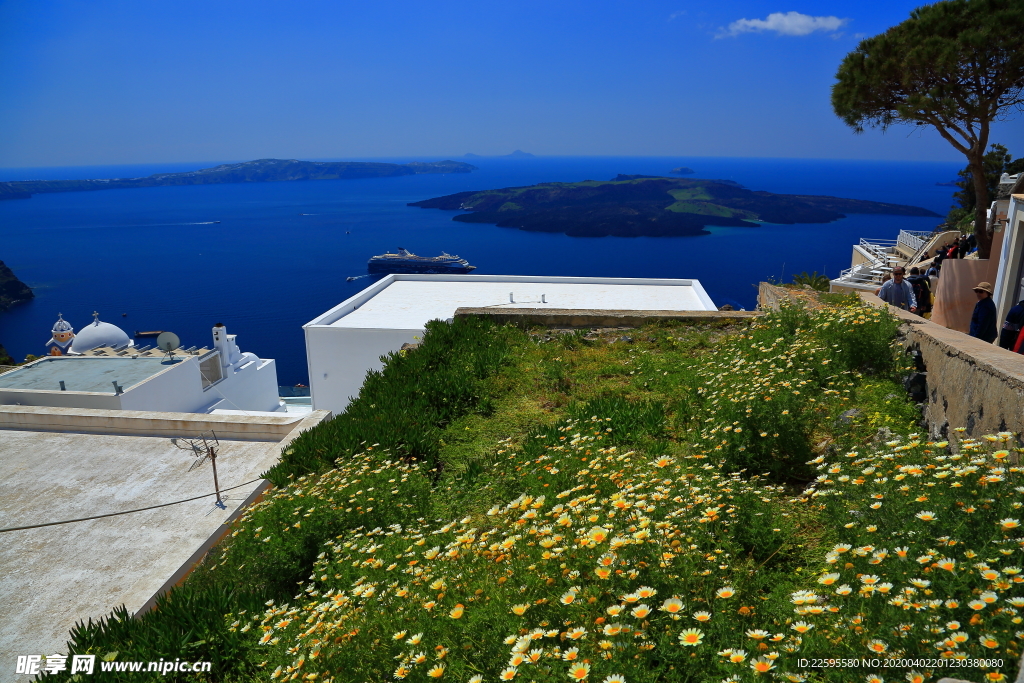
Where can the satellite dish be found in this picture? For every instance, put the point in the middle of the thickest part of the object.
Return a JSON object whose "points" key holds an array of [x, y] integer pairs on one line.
{"points": [[168, 342]]}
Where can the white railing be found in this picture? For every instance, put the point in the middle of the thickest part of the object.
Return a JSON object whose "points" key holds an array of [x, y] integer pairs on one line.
{"points": [[935, 239], [864, 274], [913, 240], [7, 368], [882, 250]]}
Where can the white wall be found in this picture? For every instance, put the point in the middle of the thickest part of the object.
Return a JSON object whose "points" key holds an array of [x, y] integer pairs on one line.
{"points": [[339, 358], [177, 389], [248, 385], [61, 399], [1010, 273]]}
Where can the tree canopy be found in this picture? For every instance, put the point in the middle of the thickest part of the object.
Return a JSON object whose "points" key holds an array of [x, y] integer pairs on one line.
{"points": [[997, 161], [955, 65]]}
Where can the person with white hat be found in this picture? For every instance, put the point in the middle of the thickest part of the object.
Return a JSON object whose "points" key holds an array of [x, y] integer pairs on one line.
{"points": [[983, 321]]}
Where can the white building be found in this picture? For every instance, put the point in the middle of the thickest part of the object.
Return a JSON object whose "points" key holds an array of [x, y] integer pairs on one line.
{"points": [[1009, 280], [346, 342], [105, 371]]}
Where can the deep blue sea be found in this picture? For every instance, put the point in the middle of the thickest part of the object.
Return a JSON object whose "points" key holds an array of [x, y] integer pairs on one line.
{"points": [[281, 252]]}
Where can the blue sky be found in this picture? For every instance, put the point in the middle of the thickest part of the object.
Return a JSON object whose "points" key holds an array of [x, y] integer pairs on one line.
{"points": [[112, 82]]}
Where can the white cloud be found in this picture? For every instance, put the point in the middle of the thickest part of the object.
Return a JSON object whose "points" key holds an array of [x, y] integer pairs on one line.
{"points": [[783, 23], [676, 15]]}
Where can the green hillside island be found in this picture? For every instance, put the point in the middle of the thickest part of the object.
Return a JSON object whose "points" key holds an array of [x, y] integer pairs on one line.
{"points": [[648, 206], [258, 171], [678, 503], [12, 290]]}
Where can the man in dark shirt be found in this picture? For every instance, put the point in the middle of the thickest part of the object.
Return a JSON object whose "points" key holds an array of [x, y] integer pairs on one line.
{"points": [[983, 321], [1011, 328]]}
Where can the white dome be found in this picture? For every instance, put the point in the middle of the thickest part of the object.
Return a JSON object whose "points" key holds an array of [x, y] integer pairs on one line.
{"points": [[62, 325], [97, 334]]}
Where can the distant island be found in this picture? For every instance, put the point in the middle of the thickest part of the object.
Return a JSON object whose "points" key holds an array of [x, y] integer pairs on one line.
{"points": [[682, 170], [518, 154], [12, 290], [646, 206], [258, 171]]}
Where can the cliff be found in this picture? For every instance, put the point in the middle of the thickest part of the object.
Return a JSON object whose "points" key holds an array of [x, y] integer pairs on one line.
{"points": [[634, 206], [259, 171], [12, 290]]}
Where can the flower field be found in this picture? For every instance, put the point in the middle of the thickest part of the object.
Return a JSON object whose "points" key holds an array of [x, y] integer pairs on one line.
{"points": [[690, 504]]}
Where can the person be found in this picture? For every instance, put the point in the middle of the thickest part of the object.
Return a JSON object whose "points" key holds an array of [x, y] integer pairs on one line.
{"points": [[922, 291], [1011, 327], [885, 278], [898, 292], [983, 321]]}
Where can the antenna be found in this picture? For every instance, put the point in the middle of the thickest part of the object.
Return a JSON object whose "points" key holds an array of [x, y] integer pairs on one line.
{"points": [[203, 447], [168, 342]]}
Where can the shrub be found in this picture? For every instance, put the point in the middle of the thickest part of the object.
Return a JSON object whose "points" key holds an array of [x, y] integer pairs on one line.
{"points": [[404, 407]]}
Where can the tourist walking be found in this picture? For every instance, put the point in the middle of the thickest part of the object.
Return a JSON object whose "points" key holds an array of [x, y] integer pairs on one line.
{"points": [[922, 291], [898, 292], [1011, 327], [983, 321]]}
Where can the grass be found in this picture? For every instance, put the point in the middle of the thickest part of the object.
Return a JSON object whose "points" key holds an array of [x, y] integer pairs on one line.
{"points": [[671, 503]]}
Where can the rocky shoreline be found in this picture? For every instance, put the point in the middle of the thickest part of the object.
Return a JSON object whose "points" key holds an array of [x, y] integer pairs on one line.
{"points": [[12, 290]]}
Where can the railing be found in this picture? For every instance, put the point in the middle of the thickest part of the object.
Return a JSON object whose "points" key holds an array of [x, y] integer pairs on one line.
{"points": [[913, 240], [7, 368], [934, 239], [864, 274], [882, 250]]}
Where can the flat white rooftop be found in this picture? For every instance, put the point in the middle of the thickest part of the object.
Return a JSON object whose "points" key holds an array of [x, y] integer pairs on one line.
{"points": [[111, 461], [83, 373], [410, 301]]}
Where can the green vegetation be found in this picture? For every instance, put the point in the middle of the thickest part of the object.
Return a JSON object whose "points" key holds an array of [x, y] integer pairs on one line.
{"points": [[816, 281], [954, 65], [996, 162], [670, 504]]}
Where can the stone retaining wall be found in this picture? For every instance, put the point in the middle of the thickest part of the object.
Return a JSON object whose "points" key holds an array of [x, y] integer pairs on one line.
{"points": [[969, 383], [571, 318]]}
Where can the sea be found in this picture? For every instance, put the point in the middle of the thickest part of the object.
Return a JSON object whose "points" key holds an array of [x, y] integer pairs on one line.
{"points": [[265, 258]]}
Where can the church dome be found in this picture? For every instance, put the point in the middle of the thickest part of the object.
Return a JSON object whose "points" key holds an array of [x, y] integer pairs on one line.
{"points": [[61, 325], [97, 334]]}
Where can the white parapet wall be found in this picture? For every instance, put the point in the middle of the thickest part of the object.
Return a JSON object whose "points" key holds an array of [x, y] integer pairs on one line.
{"points": [[348, 341]]}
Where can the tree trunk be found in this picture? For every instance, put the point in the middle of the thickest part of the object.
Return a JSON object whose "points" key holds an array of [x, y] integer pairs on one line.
{"points": [[981, 233]]}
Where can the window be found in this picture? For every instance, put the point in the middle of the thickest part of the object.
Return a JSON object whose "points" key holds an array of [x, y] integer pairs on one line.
{"points": [[210, 369]]}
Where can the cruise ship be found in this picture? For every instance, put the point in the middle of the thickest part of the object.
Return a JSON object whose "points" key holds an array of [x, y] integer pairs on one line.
{"points": [[407, 262]]}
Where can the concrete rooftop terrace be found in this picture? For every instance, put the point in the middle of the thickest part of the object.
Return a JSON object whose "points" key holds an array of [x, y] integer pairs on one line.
{"points": [[83, 373], [410, 301], [54, 576]]}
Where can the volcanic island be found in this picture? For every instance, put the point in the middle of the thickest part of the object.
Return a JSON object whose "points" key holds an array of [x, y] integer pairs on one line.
{"points": [[649, 206]]}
